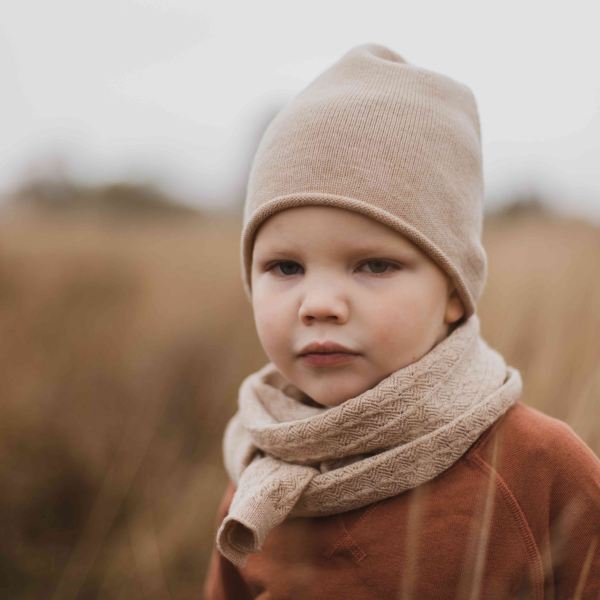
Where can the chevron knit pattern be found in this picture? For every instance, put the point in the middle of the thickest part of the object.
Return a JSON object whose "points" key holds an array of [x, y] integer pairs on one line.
{"points": [[289, 458]]}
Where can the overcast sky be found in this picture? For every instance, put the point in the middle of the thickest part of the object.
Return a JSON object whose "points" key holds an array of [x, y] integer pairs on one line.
{"points": [[176, 91]]}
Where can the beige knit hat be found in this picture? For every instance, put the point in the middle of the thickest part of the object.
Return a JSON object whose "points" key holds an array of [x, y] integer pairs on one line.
{"points": [[390, 140]]}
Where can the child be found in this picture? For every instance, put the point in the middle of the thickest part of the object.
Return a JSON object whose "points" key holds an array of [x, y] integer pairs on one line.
{"points": [[383, 451]]}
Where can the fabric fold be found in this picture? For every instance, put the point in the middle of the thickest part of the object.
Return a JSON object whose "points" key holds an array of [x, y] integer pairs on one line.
{"points": [[272, 488]]}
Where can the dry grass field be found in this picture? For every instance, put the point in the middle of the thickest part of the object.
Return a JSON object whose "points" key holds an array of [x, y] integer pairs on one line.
{"points": [[122, 345]]}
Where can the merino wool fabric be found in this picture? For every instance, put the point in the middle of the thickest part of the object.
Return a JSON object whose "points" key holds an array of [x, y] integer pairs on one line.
{"points": [[288, 458], [380, 136]]}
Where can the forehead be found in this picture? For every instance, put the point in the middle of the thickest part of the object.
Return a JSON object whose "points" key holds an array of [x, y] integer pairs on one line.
{"points": [[327, 226]]}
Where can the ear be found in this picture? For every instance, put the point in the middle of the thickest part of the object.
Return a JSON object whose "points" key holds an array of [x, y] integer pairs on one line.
{"points": [[455, 309]]}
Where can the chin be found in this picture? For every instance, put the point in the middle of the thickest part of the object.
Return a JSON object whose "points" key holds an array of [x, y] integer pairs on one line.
{"points": [[335, 389], [338, 398], [329, 403], [325, 399]]}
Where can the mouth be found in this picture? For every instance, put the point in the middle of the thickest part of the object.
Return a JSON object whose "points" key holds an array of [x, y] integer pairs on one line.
{"points": [[327, 359], [329, 347]]}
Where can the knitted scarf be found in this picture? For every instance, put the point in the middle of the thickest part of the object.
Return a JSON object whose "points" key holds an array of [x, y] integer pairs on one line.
{"points": [[291, 458]]}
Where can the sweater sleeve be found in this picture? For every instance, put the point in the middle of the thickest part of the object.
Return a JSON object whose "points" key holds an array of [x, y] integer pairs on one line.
{"points": [[223, 580], [575, 519]]}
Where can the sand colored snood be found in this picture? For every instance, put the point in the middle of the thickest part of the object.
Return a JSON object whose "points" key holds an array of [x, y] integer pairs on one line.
{"points": [[291, 459]]}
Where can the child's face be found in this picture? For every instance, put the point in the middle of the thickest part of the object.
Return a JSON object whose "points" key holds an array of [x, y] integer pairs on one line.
{"points": [[328, 274]]}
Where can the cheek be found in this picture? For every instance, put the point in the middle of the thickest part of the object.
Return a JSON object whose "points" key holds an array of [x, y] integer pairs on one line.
{"points": [[271, 322], [395, 323], [388, 321]]}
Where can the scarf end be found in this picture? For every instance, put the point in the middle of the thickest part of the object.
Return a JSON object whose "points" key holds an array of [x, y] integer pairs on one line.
{"points": [[263, 500], [235, 541]]}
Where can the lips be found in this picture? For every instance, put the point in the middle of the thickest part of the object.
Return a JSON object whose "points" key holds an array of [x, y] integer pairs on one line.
{"points": [[328, 359], [326, 347], [327, 353]]}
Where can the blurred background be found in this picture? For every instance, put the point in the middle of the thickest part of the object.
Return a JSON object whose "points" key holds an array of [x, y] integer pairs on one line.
{"points": [[128, 129]]}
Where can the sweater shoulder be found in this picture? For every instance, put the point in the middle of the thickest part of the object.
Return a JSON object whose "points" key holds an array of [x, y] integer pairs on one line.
{"points": [[530, 447]]}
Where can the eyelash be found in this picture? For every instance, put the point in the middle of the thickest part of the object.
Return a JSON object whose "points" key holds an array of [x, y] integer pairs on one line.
{"points": [[372, 260]]}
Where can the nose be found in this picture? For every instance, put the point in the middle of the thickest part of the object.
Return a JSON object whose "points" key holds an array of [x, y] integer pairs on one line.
{"points": [[323, 303]]}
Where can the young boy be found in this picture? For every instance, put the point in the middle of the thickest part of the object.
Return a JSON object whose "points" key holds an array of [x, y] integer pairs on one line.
{"points": [[383, 451]]}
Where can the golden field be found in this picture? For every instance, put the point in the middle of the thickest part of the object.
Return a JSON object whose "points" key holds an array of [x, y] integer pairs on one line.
{"points": [[123, 343]]}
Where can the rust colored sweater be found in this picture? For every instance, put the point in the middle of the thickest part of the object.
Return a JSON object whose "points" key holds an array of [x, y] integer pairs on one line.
{"points": [[518, 516]]}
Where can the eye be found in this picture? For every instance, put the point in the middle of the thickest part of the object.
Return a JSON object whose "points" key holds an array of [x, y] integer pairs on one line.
{"points": [[380, 266], [283, 265]]}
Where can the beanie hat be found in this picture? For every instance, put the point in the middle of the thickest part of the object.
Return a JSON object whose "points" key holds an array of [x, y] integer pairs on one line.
{"points": [[395, 142]]}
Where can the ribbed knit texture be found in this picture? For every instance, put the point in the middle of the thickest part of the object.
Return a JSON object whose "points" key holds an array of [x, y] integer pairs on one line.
{"points": [[289, 458], [385, 138]]}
